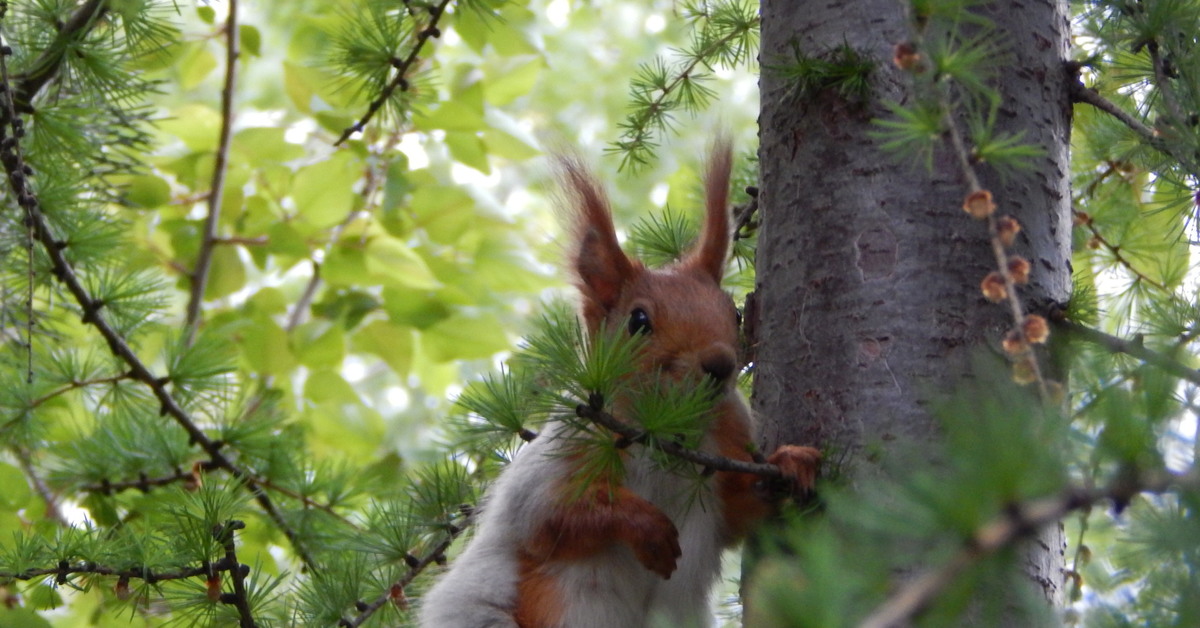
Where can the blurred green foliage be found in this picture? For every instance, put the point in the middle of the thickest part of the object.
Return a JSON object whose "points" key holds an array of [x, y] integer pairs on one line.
{"points": [[356, 288]]}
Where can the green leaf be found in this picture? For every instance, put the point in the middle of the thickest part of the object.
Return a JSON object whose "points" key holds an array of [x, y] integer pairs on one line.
{"points": [[468, 149], [347, 306], [415, 308], [462, 337], [345, 429], [389, 261], [474, 28], [227, 274], [499, 267], [323, 191], [265, 347], [194, 65], [251, 39], [320, 345], [16, 493], [515, 81], [147, 191], [345, 265], [21, 618], [502, 144], [285, 241], [392, 343], [450, 116], [508, 37], [261, 145], [197, 125], [300, 84], [268, 301], [207, 13], [329, 385], [444, 212], [43, 597]]}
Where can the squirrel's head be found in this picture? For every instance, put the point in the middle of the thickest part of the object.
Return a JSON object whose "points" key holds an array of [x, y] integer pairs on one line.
{"points": [[690, 324]]}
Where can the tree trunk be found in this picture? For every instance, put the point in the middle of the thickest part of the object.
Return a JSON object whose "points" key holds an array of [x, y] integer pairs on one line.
{"points": [[868, 269]]}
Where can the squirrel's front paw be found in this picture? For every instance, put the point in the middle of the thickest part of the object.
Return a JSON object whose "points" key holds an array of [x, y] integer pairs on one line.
{"points": [[799, 466], [653, 538]]}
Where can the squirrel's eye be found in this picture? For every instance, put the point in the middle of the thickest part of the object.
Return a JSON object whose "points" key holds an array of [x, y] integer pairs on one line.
{"points": [[639, 322]]}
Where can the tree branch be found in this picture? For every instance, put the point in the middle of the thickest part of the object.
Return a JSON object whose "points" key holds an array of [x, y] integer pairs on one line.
{"points": [[224, 534], [999, 252], [145, 484], [1017, 522], [47, 66], [65, 569], [1087, 95], [402, 66], [1085, 219], [592, 412], [638, 124], [76, 385], [239, 599], [220, 167], [1081, 94], [395, 592], [374, 179], [1163, 83], [18, 173], [743, 215], [53, 512], [1132, 348]]}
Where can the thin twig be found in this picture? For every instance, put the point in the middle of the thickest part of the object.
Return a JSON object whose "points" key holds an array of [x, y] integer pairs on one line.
{"points": [[1163, 82], [1017, 522], [403, 66], [743, 215], [76, 385], [1086, 220], [220, 168], [1087, 95], [375, 176], [395, 592], [706, 460], [1082, 94], [17, 171], [65, 569], [307, 501], [301, 305], [240, 599], [53, 512], [242, 240], [1016, 309], [47, 66], [144, 483], [1132, 348], [92, 312]]}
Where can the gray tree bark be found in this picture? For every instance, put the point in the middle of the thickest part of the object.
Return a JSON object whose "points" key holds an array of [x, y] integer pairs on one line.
{"points": [[868, 269]]}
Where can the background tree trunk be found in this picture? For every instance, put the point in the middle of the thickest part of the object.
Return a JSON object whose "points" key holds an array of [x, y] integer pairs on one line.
{"points": [[868, 269]]}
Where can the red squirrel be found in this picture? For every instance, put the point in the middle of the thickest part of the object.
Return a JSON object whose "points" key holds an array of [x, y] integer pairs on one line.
{"points": [[639, 549]]}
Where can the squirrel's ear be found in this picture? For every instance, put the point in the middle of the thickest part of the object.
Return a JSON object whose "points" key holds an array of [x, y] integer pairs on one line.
{"points": [[601, 268], [709, 253]]}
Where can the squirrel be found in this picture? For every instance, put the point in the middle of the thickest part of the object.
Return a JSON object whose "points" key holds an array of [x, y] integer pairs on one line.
{"points": [[639, 549]]}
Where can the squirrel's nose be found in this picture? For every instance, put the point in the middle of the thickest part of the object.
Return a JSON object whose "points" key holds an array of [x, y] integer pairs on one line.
{"points": [[718, 365]]}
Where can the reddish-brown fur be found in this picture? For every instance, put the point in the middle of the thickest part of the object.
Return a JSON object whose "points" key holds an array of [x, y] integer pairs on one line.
{"points": [[582, 526], [695, 339]]}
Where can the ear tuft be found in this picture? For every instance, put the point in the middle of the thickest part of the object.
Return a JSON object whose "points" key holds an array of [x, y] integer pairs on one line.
{"points": [[601, 268], [710, 251]]}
